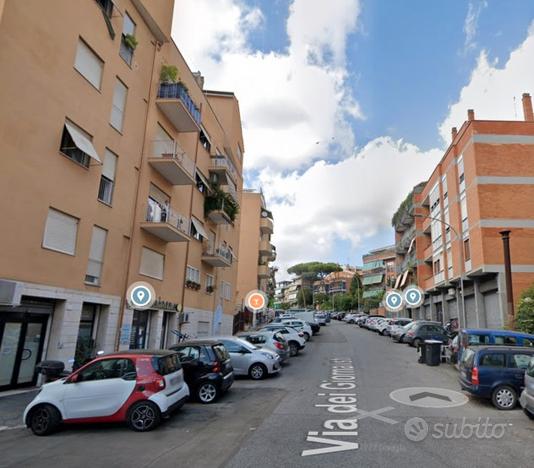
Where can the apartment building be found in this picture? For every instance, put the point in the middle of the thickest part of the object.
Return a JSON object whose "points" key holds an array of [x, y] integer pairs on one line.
{"points": [[482, 186], [129, 175], [279, 293], [255, 248], [337, 282], [378, 271], [405, 240]]}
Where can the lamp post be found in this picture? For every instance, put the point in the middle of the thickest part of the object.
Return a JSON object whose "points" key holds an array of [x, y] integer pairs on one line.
{"points": [[462, 263]]}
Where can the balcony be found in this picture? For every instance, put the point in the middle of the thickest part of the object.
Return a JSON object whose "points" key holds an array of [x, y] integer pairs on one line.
{"points": [[219, 257], [427, 254], [224, 169], [166, 224], [428, 283], [267, 249], [230, 190], [266, 225], [264, 271], [427, 224], [174, 101], [439, 277], [220, 208], [172, 163]]}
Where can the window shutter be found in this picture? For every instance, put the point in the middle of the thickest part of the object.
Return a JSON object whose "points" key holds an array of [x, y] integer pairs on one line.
{"points": [[88, 64], [60, 232], [110, 165], [98, 244], [152, 264]]}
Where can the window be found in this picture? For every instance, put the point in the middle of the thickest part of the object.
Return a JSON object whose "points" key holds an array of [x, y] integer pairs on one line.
{"points": [[128, 29], [60, 232], [210, 283], [437, 266], [188, 353], [197, 229], [107, 180], [192, 274], [88, 64], [528, 342], [107, 6], [530, 370], [163, 145], [96, 256], [231, 346], [202, 182], [152, 263], [226, 290], [492, 360], [205, 140], [107, 369], [463, 212], [139, 330], [478, 339], [120, 93], [519, 361], [158, 208], [85, 344], [77, 145], [467, 250]]}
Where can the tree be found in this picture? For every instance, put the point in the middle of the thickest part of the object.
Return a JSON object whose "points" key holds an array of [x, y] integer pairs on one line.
{"points": [[305, 298], [314, 270], [525, 313], [372, 302]]}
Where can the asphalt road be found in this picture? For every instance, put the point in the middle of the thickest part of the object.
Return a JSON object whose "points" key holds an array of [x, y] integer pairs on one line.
{"points": [[276, 422]]}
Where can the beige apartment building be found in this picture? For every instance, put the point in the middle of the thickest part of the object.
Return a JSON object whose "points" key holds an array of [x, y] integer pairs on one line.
{"points": [[255, 248], [110, 173]]}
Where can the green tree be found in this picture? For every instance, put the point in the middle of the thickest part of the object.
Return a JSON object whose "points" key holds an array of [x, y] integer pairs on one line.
{"points": [[305, 298], [372, 302], [525, 313], [314, 270]]}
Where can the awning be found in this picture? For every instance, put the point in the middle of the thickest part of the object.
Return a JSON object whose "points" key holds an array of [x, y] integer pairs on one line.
{"points": [[397, 281], [204, 179], [373, 279], [412, 242], [199, 227], [404, 278], [372, 293], [82, 142], [206, 134]]}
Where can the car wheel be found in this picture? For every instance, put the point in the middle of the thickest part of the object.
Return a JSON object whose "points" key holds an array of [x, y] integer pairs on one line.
{"points": [[306, 336], [44, 420], [143, 416], [257, 371], [293, 349], [504, 397], [207, 393], [416, 342]]}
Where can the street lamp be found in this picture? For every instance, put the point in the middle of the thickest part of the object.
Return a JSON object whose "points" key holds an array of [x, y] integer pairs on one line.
{"points": [[462, 262]]}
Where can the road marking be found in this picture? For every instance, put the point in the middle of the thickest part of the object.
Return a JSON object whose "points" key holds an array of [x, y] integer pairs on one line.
{"points": [[11, 428], [375, 414], [428, 397]]}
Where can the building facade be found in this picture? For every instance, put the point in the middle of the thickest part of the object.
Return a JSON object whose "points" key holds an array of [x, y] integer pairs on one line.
{"points": [[483, 185], [378, 273], [142, 176]]}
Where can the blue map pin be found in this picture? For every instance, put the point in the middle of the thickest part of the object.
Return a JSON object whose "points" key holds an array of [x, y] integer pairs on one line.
{"points": [[141, 295], [413, 296], [394, 301]]}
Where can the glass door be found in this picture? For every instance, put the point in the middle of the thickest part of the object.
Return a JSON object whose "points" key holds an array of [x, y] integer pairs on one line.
{"points": [[21, 346]]}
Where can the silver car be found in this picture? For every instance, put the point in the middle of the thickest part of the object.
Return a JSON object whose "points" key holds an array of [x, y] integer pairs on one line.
{"points": [[527, 395], [248, 359], [271, 340]]}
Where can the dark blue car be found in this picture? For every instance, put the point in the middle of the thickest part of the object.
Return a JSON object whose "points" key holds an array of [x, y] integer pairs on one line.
{"points": [[495, 372]]}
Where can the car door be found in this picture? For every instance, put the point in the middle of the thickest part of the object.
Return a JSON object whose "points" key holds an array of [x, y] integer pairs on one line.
{"points": [[189, 358], [491, 370], [100, 389], [238, 355], [517, 364]]}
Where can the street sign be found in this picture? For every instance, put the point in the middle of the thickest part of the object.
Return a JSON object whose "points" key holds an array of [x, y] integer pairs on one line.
{"points": [[393, 301], [256, 300], [141, 295], [413, 297]]}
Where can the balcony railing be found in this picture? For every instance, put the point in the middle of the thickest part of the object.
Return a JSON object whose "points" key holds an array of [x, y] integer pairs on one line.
{"points": [[186, 116], [165, 223], [171, 161], [266, 225], [231, 190], [220, 256], [427, 254], [263, 271], [221, 164]]}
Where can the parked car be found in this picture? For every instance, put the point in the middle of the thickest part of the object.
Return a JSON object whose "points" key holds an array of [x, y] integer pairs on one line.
{"points": [[483, 336], [351, 318], [248, 359], [371, 323], [398, 334], [320, 318], [396, 324], [328, 317], [316, 328], [423, 330], [136, 387], [363, 321], [382, 326], [527, 395], [271, 340], [207, 368], [495, 372], [294, 338], [299, 325]]}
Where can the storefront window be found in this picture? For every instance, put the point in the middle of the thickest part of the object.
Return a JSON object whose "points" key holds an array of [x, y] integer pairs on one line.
{"points": [[85, 345], [139, 334]]}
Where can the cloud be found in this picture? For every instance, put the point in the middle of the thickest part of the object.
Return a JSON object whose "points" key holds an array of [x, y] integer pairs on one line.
{"points": [[494, 92], [350, 200], [474, 10]]}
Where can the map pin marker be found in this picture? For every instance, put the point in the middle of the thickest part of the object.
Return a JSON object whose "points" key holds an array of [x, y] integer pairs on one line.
{"points": [[140, 295]]}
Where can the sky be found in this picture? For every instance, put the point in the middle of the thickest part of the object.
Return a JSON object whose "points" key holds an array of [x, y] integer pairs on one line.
{"points": [[347, 104]]}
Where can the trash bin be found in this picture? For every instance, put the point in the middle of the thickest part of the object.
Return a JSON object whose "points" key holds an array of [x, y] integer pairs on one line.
{"points": [[432, 352], [422, 350], [52, 370]]}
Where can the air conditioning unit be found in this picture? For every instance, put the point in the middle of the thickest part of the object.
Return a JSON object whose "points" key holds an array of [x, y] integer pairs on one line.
{"points": [[10, 293]]}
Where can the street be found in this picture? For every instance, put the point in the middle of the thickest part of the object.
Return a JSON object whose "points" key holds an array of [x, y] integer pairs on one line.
{"points": [[280, 421]]}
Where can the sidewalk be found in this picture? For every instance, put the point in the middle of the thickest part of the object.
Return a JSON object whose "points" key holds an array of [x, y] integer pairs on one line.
{"points": [[12, 406]]}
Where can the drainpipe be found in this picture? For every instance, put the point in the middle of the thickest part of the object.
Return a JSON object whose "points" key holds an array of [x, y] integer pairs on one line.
{"points": [[508, 275], [157, 46]]}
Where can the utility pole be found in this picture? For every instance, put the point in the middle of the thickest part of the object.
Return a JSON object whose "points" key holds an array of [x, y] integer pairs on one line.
{"points": [[508, 275]]}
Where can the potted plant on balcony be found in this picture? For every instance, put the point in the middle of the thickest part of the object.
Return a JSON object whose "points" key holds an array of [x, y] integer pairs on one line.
{"points": [[219, 200], [131, 41], [168, 74], [210, 289]]}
